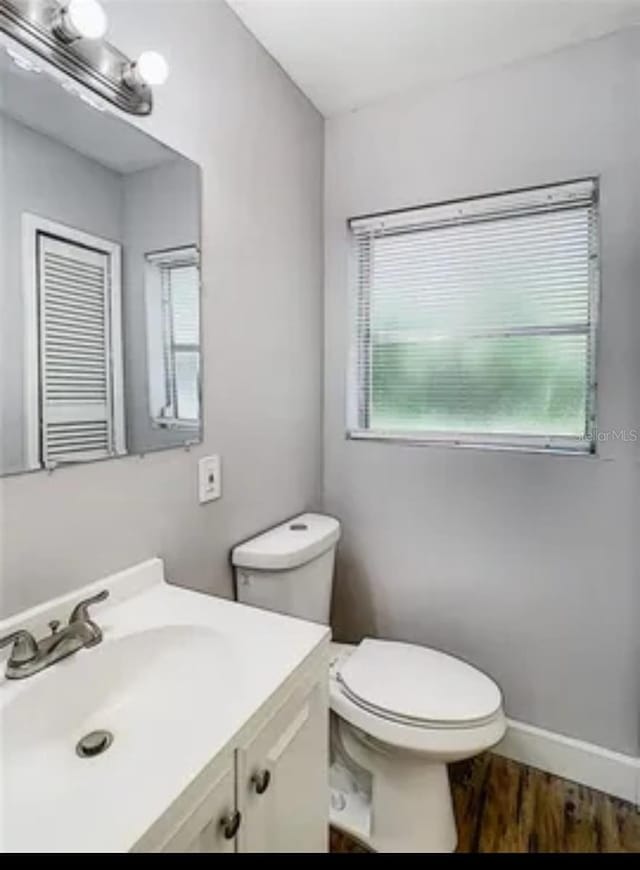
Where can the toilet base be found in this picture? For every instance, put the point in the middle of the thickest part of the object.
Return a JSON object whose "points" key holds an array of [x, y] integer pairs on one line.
{"points": [[410, 808]]}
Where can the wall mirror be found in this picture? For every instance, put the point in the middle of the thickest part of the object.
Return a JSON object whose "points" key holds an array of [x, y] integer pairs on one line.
{"points": [[100, 351]]}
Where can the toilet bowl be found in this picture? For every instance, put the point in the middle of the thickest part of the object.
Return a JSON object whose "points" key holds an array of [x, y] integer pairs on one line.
{"points": [[399, 712]]}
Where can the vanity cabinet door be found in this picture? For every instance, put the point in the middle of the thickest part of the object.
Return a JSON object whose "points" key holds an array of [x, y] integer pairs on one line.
{"points": [[213, 824], [283, 791]]}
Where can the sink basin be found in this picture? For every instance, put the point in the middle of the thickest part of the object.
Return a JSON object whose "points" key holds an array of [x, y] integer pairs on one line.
{"points": [[141, 687], [178, 680]]}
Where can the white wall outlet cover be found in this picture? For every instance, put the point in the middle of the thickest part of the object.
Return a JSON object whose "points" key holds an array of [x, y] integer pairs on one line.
{"points": [[209, 479]]}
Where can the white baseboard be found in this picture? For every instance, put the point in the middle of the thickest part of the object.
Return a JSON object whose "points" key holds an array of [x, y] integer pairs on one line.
{"points": [[599, 768]]}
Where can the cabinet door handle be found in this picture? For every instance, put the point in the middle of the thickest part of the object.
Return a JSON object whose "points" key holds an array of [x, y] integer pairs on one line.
{"points": [[230, 824], [260, 781]]}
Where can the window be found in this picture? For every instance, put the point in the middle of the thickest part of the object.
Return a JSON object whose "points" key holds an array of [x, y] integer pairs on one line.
{"points": [[474, 322], [73, 345], [173, 336]]}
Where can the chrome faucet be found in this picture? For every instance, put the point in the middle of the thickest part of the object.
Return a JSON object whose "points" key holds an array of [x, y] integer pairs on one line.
{"points": [[29, 656]]}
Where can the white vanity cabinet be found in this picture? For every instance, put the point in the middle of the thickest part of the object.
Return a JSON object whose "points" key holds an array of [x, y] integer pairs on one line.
{"points": [[219, 716], [282, 787], [210, 823], [269, 793]]}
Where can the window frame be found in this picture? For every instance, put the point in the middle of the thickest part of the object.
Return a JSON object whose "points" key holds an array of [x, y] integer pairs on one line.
{"points": [[156, 263], [489, 207]]}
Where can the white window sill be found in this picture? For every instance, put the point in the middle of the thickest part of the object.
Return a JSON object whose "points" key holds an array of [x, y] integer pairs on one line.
{"points": [[158, 423], [543, 446]]}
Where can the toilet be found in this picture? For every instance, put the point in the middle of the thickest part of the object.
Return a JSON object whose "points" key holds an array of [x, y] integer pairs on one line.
{"points": [[400, 712]]}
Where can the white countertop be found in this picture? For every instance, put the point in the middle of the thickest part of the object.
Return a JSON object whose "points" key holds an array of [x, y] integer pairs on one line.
{"points": [[195, 668]]}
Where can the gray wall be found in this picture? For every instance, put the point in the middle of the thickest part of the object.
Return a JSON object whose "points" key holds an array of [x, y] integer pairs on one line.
{"points": [[229, 107], [527, 565], [49, 179], [161, 210]]}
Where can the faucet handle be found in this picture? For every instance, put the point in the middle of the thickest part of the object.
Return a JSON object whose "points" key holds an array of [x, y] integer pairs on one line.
{"points": [[25, 648], [80, 612]]}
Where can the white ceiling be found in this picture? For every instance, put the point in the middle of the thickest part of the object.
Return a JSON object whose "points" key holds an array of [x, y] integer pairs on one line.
{"points": [[344, 54]]}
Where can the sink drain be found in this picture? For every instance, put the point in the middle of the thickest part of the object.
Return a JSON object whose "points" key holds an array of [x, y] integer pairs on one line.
{"points": [[94, 743]]}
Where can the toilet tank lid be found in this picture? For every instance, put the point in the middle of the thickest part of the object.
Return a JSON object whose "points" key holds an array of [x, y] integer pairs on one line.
{"points": [[289, 545]]}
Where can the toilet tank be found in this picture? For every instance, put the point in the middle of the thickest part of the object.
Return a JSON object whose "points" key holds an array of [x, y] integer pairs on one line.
{"points": [[289, 569]]}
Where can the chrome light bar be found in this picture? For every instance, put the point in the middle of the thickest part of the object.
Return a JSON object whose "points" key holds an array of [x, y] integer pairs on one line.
{"points": [[69, 36]]}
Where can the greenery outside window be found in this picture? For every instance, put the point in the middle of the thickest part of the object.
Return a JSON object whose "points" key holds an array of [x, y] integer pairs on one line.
{"points": [[474, 322]]}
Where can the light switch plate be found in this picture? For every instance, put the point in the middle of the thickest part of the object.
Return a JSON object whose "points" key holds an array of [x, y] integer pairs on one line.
{"points": [[209, 479]]}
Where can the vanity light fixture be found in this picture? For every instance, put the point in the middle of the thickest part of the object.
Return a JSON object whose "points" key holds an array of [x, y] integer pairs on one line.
{"points": [[150, 69], [80, 19], [69, 34]]}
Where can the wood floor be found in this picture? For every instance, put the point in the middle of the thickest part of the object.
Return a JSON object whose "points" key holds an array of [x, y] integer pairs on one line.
{"points": [[502, 806]]}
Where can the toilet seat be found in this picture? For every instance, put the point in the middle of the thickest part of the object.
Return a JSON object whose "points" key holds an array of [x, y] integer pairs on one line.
{"points": [[418, 686], [364, 694], [408, 721]]}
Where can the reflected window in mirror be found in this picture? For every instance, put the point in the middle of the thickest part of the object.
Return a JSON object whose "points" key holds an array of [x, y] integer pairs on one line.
{"points": [[173, 337]]}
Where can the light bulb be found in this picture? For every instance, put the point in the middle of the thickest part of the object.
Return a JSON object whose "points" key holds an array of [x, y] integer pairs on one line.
{"points": [[152, 68], [82, 19]]}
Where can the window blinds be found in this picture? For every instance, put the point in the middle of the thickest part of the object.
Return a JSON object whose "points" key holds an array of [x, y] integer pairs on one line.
{"points": [[75, 395], [173, 336], [475, 321], [184, 313]]}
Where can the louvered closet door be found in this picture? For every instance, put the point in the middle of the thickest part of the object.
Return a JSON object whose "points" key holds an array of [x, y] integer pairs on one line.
{"points": [[75, 373]]}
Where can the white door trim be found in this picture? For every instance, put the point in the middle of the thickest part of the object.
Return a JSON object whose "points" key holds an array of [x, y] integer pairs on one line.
{"points": [[33, 224]]}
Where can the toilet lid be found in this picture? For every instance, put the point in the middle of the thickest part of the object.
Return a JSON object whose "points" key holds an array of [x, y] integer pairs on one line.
{"points": [[418, 684]]}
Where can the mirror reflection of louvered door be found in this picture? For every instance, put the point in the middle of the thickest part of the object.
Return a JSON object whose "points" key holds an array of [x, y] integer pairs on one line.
{"points": [[75, 358]]}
